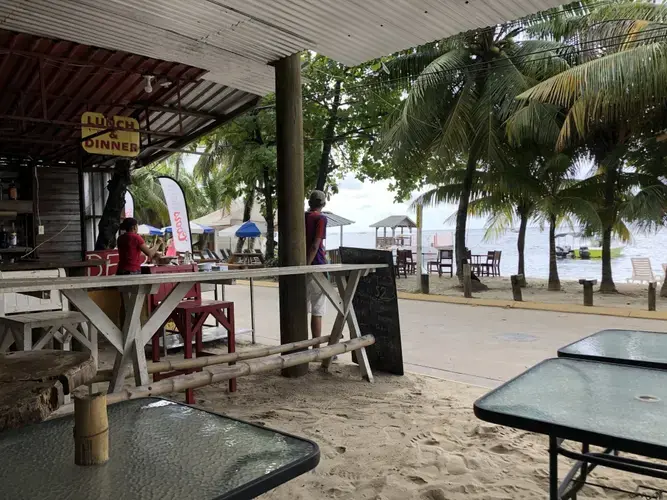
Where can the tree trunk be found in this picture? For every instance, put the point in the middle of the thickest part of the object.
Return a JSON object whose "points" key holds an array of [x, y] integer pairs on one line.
{"points": [[247, 213], [113, 208], [462, 215], [554, 280], [329, 134], [521, 247], [607, 283], [269, 214]]}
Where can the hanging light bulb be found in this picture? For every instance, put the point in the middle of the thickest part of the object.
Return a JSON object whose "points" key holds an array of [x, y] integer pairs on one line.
{"points": [[148, 88]]}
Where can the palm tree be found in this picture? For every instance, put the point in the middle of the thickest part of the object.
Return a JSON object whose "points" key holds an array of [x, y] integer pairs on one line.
{"points": [[615, 95], [243, 154], [463, 91]]}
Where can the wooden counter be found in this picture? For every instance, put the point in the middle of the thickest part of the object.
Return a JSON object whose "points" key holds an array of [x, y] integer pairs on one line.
{"points": [[72, 267]]}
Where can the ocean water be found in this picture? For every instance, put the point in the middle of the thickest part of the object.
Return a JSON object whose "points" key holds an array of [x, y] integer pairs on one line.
{"points": [[652, 245]]}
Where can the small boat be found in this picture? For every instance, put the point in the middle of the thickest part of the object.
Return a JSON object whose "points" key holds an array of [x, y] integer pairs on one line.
{"points": [[582, 250], [596, 252]]}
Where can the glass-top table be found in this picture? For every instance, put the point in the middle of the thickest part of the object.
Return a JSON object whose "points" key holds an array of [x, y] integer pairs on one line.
{"points": [[630, 347], [618, 407], [158, 450]]}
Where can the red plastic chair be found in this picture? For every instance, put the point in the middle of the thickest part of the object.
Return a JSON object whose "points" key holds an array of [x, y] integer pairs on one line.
{"points": [[189, 318]]}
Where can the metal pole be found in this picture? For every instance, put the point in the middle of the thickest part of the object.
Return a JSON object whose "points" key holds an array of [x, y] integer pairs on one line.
{"points": [[341, 237], [553, 468], [252, 311]]}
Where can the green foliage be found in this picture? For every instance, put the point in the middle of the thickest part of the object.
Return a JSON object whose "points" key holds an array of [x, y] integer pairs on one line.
{"points": [[150, 206]]}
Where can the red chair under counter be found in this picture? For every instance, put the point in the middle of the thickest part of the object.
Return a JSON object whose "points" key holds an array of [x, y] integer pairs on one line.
{"points": [[189, 318]]}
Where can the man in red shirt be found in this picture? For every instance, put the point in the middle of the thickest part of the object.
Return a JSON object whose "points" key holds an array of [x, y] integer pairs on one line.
{"points": [[131, 246], [316, 233]]}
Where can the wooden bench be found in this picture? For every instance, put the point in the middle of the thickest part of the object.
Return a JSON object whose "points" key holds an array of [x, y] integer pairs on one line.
{"points": [[21, 314]]}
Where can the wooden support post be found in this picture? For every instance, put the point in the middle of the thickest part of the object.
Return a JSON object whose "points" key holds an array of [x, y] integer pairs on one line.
{"points": [[517, 279], [290, 194], [651, 296], [91, 430], [424, 284], [588, 290], [467, 280]]}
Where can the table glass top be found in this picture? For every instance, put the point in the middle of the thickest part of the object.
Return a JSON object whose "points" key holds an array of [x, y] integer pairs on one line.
{"points": [[158, 450], [615, 400], [627, 346]]}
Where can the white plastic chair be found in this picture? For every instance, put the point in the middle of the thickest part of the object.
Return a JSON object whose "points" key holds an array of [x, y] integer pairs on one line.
{"points": [[642, 271]]}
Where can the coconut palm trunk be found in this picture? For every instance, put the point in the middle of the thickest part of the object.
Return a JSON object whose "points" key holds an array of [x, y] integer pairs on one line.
{"points": [[521, 247], [607, 284], [462, 215], [554, 280]]}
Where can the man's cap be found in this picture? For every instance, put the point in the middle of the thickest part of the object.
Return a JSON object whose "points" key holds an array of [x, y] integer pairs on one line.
{"points": [[318, 198]]}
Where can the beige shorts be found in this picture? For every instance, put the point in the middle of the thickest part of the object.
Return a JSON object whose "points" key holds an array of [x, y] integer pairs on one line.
{"points": [[317, 301]]}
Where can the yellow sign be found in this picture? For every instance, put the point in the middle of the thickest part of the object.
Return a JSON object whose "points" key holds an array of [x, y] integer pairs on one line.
{"points": [[123, 142]]}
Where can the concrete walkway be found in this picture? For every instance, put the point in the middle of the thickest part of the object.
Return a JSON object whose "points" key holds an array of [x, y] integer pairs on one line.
{"points": [[478, 345]]}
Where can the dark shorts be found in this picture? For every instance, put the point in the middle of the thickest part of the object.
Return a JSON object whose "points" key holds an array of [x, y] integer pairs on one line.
{"points": [[123, 272]]}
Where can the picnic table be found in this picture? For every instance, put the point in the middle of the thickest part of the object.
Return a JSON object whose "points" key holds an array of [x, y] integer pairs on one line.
{"points": [[129, 341], [619, 407], [160, 449]]}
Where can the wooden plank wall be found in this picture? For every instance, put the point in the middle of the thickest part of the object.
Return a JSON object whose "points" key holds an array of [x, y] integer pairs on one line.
{"points": [[58, 205]]}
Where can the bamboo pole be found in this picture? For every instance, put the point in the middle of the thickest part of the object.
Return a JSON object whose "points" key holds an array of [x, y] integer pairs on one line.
{"points": [[187, 364], [200, 379], [91, 429]]}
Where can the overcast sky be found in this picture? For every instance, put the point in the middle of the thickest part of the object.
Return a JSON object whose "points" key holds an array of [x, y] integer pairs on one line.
{"points": [[368, 202]]}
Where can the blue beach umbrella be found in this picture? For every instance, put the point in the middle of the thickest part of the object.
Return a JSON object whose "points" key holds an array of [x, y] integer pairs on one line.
{"points": [[147, 230], [248, 230]]}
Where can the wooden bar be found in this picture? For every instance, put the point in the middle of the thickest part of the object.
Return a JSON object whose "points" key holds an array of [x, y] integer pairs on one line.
{"points": [[201, 379], [187, 364], [82, 283]]}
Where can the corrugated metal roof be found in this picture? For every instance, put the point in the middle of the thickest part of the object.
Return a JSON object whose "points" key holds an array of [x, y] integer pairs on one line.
{"points": [[395, 221], [79, 78], [234, 40], [334, 220]]}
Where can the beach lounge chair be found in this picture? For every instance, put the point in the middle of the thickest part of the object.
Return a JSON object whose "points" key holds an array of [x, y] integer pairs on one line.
{"points": [[642, 271]]}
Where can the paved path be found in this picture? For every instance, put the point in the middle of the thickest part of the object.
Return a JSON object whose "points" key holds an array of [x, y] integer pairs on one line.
{"points": [[477, 345]]}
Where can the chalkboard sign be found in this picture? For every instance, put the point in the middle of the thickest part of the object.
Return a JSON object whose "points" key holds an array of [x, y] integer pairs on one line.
{"points": [[376, 307]]}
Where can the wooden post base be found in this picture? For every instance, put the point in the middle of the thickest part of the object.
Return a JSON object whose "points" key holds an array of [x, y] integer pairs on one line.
{"points": [[651, 296], [91, 429], [424, 284], [467, 281], [517, 279], [588, 290]]}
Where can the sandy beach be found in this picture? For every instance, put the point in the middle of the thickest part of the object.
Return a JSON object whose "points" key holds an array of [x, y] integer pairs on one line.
{"points": [[402, 438], [630, 295], [416, 437]]}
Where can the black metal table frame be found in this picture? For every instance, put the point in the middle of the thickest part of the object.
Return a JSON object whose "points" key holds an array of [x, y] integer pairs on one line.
{"points": [[587, 460]]}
